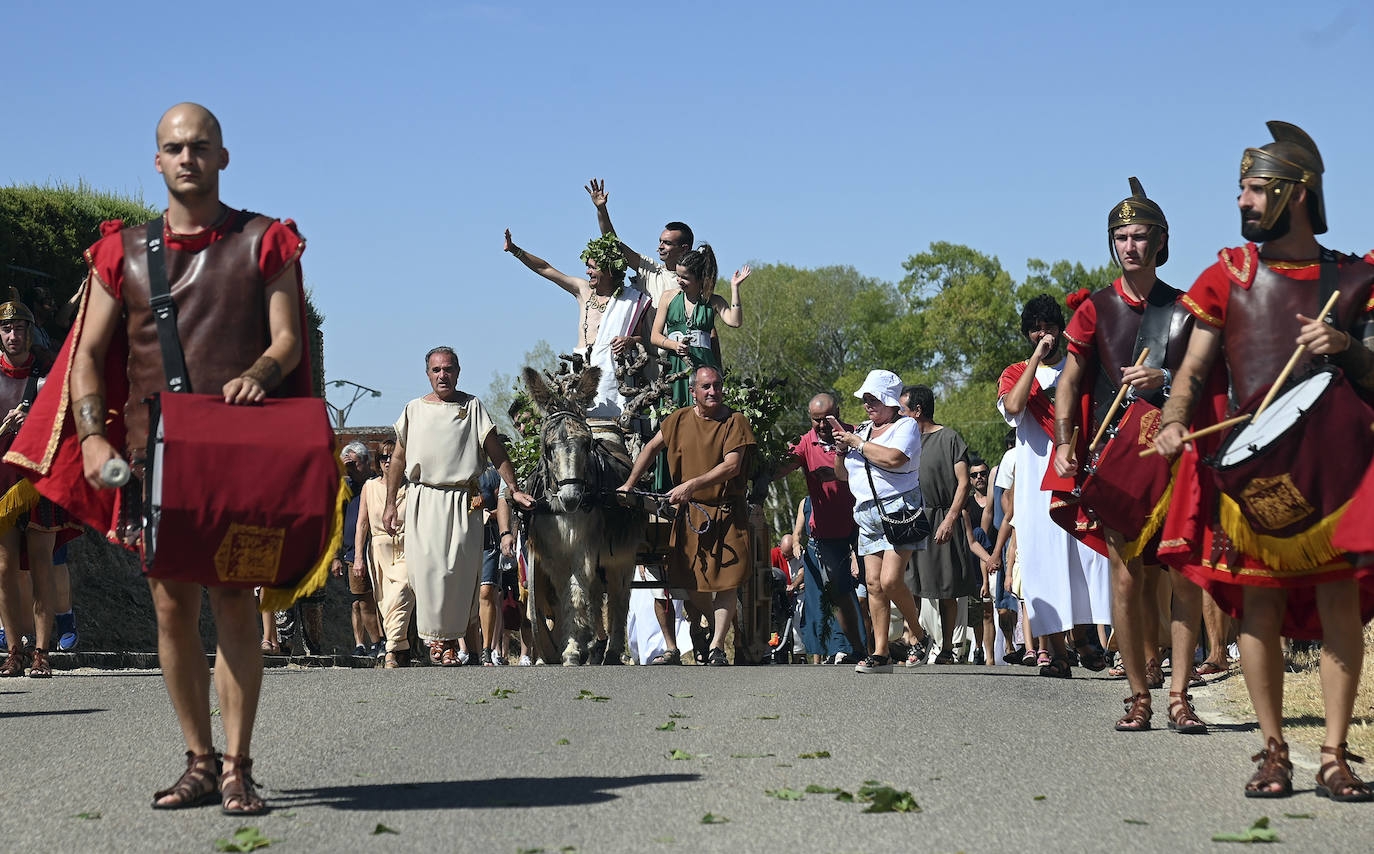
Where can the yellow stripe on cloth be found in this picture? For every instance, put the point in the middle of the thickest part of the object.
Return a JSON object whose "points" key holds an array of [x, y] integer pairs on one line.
{"points": [[1153, 522], [20, 499], [1310, 549], [282, 598]]}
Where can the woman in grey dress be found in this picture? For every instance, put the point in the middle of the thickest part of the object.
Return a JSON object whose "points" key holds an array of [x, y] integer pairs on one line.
{"points": [[950, 566]]}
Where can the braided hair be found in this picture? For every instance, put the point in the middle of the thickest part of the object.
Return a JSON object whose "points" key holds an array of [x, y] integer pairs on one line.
{"points": [[701, 264]]}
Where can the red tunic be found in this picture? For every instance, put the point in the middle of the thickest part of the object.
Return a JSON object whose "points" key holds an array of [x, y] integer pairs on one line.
{"points": [[1192, 540]]}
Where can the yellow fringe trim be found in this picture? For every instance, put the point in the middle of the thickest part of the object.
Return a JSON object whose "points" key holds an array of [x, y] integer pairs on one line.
{"points": [[20, 499], [1309, 550], [282, 598], [1153, 522]]}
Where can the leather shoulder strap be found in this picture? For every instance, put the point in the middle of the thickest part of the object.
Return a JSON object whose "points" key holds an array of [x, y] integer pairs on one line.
{"points": [[165, 312]]}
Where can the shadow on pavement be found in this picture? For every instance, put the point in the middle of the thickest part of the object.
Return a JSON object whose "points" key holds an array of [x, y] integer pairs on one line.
{"points": [[4, 715], [517, 792]]}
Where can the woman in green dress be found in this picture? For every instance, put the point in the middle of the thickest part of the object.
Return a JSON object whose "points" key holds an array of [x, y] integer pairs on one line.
{"points": [[687, 315]]}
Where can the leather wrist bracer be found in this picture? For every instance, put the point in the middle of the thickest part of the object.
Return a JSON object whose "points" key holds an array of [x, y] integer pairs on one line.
{"points": [[88, 414], [1063, 432]]}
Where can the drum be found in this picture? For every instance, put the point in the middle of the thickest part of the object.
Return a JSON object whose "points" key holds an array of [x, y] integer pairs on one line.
{"points": [[1121, 490], [1287, 475], [239, 496]]}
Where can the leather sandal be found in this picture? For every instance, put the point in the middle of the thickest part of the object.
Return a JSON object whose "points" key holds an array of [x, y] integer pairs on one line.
{"points": [[1138, 712], [1275, 770], [41, 667], [198, 784], [449, 657], [1154, 674], [397, 658], [668, 656], [1058, 668], [14, 663], [436, 652], [1182, 717], [238, 792], [1336, 781], [1090, 657]]}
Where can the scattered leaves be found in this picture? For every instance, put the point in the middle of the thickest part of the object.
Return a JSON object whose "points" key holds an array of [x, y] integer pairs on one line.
{"points": [[882, 798], [682, 697], [750, 755], [1134, 821], [682, 754], [503, 693], [244, 839], [381, 828], [712, 818], [584, 694], [562, 741], [88, 816], [668, 727], [1285, 815], [814, 789], [784, 794], [1260, 831], [819, 754]]}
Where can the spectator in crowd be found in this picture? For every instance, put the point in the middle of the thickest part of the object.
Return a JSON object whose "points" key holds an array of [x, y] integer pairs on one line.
{"points": [[443, 440], [382, 556], [945, 569], [979, 504], [496, 531], [1064, 584], [686, 316], [880, 461], [708, 446], [830, 534], [367, 633]]}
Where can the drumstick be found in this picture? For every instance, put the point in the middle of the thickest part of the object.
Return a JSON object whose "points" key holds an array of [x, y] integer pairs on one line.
{"points": [[1116, 404], [1293, 360], [1205, 431]]}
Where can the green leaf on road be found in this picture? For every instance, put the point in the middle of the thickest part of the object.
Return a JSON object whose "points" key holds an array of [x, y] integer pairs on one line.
{"points": [[1038, 798], [668, 727], [819, 754], [381, 828], [682, 697], [814, 789], [887, 799], [676, 715], [476, 702], [1285, 815], [584, 694], [89, 816], [750, 755], [784, 794], [244, 839], [844, 797], [682, 754], [562, 741], [768, 717], [214, 713], [1134, 821], [1260, 831], [712, 818], [503, 693]]}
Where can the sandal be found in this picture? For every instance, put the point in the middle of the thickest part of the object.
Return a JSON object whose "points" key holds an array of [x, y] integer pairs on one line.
{"points": [[197, 785], [1091, 657], [270, 648], [1138, 712], [1015, 655], [1341, 785], [1154, 674], [1058, 668], [396, 658], [668, 656], [946, 657], [14, 663], [238, 792], [716, 658], [1028, 659], [1182, 717], [1275, 770], [436, 652], [1042, 658], [1207, 668], [41, 668], [449, 657]]}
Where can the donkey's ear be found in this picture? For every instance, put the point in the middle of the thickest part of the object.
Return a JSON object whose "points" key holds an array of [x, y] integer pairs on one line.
{"points": [[584, 392], [539, 391]]}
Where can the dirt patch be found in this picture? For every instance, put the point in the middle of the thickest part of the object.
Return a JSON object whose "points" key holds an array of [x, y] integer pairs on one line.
{"points": [[114, 610]]}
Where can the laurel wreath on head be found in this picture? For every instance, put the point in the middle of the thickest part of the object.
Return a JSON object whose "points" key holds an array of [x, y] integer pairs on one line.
{"points": [[604, 251]]}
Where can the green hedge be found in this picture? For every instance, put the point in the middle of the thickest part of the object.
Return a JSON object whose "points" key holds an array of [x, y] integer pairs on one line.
{"points": [[45, 230]]}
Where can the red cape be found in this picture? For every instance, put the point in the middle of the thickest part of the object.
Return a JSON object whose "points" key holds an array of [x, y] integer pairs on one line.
{"points": [[1038, 405]]}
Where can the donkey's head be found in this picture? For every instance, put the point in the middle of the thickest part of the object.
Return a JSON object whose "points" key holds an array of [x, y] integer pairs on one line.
{"points": [[565, 441]]}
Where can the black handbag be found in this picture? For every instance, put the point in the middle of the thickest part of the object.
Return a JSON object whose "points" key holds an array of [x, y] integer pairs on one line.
{"points": [[909, 528]]}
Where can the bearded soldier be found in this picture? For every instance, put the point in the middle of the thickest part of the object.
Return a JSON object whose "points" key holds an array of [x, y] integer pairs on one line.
{"points": [[1251, 307], [1108, 335]]}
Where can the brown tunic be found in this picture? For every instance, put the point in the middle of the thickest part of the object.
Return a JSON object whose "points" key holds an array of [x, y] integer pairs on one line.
{"points": [[719, 558], [221, 315]]}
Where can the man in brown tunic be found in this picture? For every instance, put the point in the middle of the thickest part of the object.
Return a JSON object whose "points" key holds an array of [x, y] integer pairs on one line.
{"points": [[708, 446]]}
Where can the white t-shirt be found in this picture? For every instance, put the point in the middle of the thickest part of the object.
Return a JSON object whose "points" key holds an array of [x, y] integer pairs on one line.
{"points": [[1006, 470], [653, 278], [903, 435]]}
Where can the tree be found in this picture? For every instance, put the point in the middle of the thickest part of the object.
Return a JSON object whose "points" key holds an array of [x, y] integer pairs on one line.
{"points": [[503, 388]]}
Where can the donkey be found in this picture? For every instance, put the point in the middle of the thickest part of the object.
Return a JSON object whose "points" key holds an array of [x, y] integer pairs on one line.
{"points": [[585, 544]]}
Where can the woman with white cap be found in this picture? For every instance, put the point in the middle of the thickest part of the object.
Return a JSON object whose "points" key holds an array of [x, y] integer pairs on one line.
{"points": [[881, 461]]}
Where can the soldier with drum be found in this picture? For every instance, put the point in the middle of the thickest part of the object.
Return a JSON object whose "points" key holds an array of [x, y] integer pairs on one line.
{"points": [[1260, 541], [1124, 343]]}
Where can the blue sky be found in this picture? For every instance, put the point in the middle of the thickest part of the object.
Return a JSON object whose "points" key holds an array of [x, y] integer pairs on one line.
{"points": [[403, 138]]}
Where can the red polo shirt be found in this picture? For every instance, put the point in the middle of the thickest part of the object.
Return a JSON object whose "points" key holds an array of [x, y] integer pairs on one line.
{"points": [[832, 504]]}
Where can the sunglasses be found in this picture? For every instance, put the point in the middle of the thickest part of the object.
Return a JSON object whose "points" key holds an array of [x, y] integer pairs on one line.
{"points": [[384, 458], [978, 474]]}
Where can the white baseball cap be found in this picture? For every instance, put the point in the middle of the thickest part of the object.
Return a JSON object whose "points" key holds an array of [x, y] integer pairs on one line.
{"points": [[884, 385]]}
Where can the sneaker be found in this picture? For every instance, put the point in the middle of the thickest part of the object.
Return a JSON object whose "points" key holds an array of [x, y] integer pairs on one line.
{"points": [[486, 657], [463, 657], [874, 664], [360, 650], [4, 645], [66, 631], [525, 661], [379, 649], [844, 658], [498, 659]]}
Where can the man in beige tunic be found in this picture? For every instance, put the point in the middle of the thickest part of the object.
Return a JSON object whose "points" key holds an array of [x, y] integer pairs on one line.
{"points": [[443, 442], [708, 446]]}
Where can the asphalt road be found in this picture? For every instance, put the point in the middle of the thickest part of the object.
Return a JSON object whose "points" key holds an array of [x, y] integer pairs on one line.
{"points": [[997, 759]]}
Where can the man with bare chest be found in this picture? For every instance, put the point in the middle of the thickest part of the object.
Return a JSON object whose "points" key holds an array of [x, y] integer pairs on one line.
{"points": [[611, 315]]}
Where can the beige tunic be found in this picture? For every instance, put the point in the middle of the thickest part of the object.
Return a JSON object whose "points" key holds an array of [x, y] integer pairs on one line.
{"points": [[444, 458], [719, 558], [387, 565]]}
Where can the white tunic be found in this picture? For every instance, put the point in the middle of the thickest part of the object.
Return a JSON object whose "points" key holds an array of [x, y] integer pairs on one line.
{"points": [[1063, 582]]}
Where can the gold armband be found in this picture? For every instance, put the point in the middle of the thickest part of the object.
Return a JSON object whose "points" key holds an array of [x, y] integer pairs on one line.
{"points": [[89, 415], [265, 372]]}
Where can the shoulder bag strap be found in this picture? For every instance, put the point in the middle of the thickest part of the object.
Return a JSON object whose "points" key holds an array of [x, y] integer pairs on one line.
{"points": [[165, 312], [868, 469]]}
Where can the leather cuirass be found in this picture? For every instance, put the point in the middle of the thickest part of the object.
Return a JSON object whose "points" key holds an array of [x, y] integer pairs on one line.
{"points": [[221, 315], [1261, 330], [1115, 339]]}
